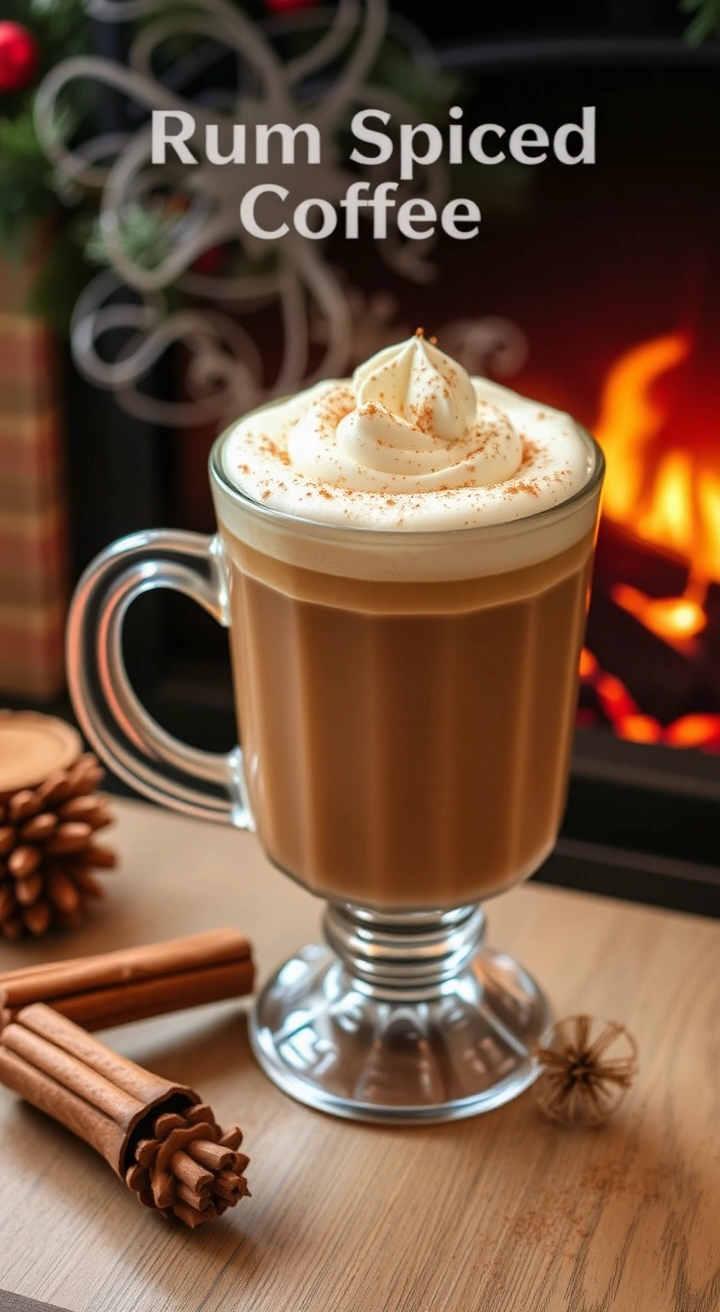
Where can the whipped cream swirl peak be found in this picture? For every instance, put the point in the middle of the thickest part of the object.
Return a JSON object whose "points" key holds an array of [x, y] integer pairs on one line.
{"points": [[411, 421], [421, 386], [411, 441]]}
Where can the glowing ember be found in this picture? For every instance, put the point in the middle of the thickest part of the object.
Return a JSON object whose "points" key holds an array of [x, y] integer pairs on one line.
{"points": [[588, 664], [694, 731], [674, 619], [639, 729], [614, 697], [628, 722]]}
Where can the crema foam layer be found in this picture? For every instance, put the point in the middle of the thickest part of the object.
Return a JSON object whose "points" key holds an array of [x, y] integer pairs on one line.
{"points": [[409, 445]]}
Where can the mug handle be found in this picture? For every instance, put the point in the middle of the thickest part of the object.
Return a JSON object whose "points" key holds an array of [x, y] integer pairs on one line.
{"points": [[208, 785]]}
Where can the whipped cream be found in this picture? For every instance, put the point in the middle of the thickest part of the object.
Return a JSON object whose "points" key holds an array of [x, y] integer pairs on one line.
{"points": [[411, 442]]}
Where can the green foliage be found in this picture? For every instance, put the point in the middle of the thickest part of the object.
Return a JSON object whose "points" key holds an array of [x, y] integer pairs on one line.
{"points": [[146, 235], [61, 29], [29, 195], [26, 189], [706, 22]]}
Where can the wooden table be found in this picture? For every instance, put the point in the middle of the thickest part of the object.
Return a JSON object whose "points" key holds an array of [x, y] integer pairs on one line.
{"points": [[494, 1214]]}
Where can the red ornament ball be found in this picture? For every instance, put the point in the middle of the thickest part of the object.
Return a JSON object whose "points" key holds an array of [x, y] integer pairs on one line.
{"points": [[19, 57]]}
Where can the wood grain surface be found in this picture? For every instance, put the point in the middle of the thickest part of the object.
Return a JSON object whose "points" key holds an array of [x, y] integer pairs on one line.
{"points": [[494, 1214]]}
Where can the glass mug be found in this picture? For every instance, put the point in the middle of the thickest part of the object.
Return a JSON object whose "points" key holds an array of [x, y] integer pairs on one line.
{"points": [[406, 705]]}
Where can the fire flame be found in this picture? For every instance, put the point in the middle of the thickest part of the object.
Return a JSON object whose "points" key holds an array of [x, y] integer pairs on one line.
{"points": [[667, 496], [678, 508], [630, 420]]}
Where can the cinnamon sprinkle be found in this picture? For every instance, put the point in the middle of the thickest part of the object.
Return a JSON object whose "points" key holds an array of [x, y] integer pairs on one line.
{"points": [[531, 451], [423, 416], [266, 446]]}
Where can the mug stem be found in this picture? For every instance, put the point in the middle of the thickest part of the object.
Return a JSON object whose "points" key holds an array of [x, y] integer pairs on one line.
{"points": [[403, 956]]}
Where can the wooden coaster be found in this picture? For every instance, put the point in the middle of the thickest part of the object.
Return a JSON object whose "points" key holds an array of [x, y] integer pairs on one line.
{"points": [[32, 747]]}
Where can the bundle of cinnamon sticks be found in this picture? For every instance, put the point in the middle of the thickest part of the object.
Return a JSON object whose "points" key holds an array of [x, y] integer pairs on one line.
{"points": [[161, 1139], [115, 988]]}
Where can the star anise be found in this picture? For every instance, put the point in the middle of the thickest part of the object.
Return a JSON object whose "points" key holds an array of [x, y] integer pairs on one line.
{"points": [[587, 1067]]}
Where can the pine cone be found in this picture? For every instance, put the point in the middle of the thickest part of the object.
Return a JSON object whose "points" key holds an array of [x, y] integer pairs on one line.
{"points": [[191, 1168], [47, 850]]}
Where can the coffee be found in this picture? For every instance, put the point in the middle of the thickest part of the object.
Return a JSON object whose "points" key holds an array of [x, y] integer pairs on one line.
{"points": [[407, 746], [406, 692]]}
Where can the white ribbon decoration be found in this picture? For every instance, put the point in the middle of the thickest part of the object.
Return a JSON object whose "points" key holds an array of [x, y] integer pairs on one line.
{"points": [[225, 375]]}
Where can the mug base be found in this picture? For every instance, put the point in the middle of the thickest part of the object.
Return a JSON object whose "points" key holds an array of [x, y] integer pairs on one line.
{"points": [[370, 1051]]}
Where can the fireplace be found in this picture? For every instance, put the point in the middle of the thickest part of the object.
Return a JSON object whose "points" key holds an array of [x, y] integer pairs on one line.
{"points": [[619, 310], [597, 290]]}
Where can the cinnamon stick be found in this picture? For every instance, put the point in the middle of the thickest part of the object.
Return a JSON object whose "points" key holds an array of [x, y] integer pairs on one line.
{"points": [[114, 988], [160, 1138]]}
